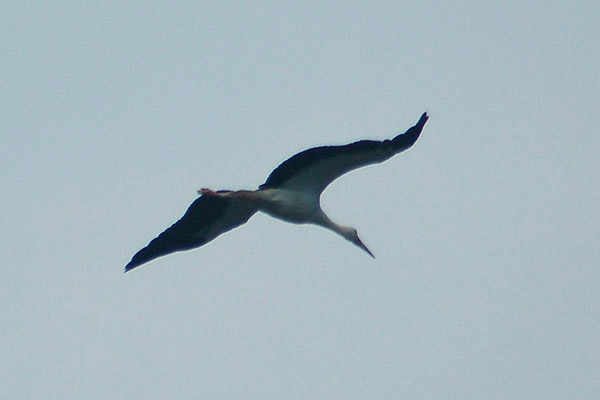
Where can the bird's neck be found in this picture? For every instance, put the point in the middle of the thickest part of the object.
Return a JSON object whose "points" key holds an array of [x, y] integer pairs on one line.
{"points": [[324, 221]]}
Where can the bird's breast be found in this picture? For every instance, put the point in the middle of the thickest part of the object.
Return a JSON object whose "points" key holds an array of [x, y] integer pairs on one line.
{"points": [[289, 205]]}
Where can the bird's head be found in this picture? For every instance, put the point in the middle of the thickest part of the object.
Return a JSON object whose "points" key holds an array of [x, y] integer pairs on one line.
{"points": [[352, 236]]}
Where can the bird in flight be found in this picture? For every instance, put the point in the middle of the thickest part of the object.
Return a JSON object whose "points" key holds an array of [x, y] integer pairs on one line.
{"points": [[291, 192]]}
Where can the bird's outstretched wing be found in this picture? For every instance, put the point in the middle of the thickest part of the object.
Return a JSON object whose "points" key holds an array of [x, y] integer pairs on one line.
{"points": [[313, 169], [205, 219]]}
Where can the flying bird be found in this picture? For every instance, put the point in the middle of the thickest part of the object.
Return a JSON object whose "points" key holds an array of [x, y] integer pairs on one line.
{"points": [[291, 192]]}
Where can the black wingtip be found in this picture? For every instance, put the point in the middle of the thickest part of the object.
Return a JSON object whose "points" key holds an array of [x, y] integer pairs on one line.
{"points": [[408, 138], [136, 260], [129, 267], [141, 257], [415, 131], [421, 123]]}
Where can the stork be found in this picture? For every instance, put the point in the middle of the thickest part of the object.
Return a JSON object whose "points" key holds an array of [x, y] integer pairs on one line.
{"points": [[291, 192]]}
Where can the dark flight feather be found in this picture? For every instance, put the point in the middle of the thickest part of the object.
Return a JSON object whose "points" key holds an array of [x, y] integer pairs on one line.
{"points": [[186, 233], [381, 150]]}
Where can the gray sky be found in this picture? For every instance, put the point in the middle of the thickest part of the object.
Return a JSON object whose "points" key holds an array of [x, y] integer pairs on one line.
{"points": [[486, 232]]}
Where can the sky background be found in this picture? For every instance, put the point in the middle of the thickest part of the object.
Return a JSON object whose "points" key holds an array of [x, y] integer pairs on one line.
{"points": [[486, 232]]}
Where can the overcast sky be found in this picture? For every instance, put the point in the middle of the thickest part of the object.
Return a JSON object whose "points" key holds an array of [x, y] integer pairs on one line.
{"points": [[486, 232]]}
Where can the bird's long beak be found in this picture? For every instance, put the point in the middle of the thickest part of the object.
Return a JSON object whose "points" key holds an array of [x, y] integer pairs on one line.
{"points": [[360, 244]]}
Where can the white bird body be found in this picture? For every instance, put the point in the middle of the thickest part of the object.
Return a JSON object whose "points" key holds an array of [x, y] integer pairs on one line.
{"points": [[289, 205], [291, 193]]}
